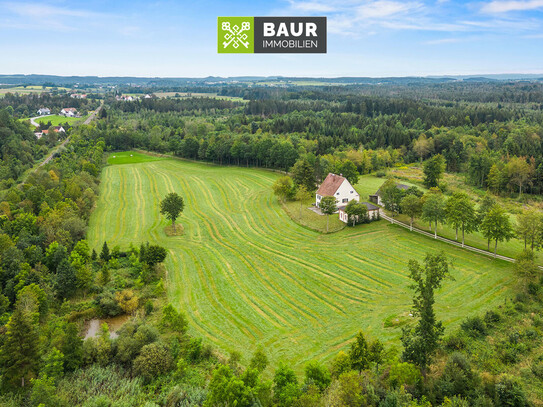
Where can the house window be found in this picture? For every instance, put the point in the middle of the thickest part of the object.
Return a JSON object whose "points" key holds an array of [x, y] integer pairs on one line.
{"points": [[352, 192], [319, 197], [337, 193], [345, 200]]}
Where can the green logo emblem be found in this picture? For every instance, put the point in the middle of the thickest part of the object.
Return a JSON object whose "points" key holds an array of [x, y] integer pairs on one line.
{"points": [[235, 35]]}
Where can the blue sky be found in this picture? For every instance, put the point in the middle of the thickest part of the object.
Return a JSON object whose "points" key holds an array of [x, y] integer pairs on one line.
{"points": [[178, 38]]}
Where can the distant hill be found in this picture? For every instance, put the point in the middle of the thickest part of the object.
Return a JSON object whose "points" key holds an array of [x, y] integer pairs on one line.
{"points": [[53, 80]]}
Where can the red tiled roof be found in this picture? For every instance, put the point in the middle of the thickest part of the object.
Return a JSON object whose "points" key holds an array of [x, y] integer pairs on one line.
{"points": [[330, 185]]}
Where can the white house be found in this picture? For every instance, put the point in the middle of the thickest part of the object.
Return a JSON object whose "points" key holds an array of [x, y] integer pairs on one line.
{"points": [[43, 111], [338, 187], [69, 112], [373, 212]]}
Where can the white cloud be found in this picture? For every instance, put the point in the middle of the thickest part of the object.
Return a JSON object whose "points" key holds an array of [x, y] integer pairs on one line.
{"points": [[500, 6]]}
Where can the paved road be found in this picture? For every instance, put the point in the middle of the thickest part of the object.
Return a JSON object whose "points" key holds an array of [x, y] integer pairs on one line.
{"points": [[449, 241], [33, 123], [93, 115]]}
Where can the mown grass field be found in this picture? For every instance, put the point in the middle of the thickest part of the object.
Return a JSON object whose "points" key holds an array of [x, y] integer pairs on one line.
{"points": [[57, 120], [246, 274]]}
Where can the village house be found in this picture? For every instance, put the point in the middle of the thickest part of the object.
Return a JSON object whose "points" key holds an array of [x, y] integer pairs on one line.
{"points": [[338, 187], [376, 198], [125, 98], [78, 96], [373, 212], [69, 112], [44, 111], [57, 129]]}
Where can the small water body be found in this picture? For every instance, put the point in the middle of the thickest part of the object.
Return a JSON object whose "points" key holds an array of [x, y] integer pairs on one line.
{"points": [[92, 327]]}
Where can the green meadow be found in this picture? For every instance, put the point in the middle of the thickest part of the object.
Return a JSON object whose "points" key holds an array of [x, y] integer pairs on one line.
{"points": [[246, 274], [57, 120]]}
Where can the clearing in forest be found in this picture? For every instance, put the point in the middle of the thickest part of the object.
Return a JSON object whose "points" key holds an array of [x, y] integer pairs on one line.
{"points": [[246, 274]]}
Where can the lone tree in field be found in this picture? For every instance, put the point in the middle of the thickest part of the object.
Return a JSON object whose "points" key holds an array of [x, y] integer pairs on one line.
{"points": [[421, 342], [411, 206], [172, 206], [496, 226], [461, 214], [328, 207]]}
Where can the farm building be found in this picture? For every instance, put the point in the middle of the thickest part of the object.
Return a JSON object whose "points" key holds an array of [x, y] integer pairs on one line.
{"points": [[376, 198], [69, 112], [373, 212], [338, 187], [43, 111], [78, 96]]}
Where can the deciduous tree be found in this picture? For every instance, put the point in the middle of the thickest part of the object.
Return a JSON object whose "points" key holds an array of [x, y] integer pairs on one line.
{"points": [[172, 206], [460, 213], [496, 226], [411, 205], [421, 342], [433, 170], [433, 210], [328, 207]]}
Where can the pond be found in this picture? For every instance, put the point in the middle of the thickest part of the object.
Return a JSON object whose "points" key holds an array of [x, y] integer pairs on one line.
{"points": [[92, 327]]}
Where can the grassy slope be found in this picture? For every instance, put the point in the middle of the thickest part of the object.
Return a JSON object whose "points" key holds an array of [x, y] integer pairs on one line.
{"points": [[246, 274]]}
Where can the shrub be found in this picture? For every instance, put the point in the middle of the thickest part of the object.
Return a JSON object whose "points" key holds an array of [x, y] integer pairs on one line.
{"points": [[107, 304], [533, 288], [185, 396], [509, 392], [154, 359], [404, 374], [455, 342], [537, 370], [381, 174], [521, 298], [492, 317], [474, 326]]}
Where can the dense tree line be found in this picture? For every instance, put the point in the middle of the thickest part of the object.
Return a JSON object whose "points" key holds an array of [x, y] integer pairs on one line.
{"points": [[27, 105]]}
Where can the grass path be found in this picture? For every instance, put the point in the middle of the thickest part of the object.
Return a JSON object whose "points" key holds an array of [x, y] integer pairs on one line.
{"points": [[247, 275]]}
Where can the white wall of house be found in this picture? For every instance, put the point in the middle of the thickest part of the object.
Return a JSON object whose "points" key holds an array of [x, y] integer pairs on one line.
{"points": [[343, 195], [346, 193], [345, 218]]}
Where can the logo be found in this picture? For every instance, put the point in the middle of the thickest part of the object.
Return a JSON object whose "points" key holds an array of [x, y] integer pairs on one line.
{"points": [[265, 35], [236, 35]]}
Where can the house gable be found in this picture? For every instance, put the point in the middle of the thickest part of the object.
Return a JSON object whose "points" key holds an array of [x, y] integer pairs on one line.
{"points": [[338, 187]]}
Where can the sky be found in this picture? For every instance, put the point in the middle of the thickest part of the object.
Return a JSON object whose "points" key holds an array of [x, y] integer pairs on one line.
{"points": [[179, 38]]}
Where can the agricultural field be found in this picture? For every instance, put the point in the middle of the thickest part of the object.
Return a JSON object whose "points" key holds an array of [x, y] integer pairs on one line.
{"points": [[182, 95], [245, 274], [29, 89]]}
